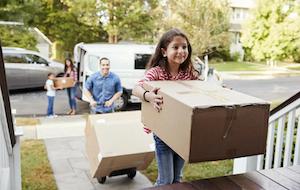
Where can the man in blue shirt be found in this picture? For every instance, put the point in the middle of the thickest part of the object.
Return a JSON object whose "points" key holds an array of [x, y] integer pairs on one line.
{"points": [[103, 88]]}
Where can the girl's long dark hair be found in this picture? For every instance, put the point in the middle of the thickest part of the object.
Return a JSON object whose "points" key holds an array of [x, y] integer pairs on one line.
{"points": [[157, 59], [71, 65]]}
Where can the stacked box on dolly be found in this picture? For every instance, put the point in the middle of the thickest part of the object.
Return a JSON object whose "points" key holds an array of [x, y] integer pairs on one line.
{"points": [[116, 144]]}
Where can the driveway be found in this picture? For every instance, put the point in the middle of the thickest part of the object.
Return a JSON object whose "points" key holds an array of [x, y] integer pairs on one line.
{"points": [[34, 102]]}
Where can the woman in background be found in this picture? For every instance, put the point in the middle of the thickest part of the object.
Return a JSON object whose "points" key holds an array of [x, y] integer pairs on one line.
{"points": [[70, 71]]}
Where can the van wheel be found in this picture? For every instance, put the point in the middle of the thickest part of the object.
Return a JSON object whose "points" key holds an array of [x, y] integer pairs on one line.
{"points": [[121, 103], [101, 179]]}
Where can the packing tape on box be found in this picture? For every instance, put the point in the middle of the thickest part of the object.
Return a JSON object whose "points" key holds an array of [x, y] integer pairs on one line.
{"points": [[101, 121], [211, 93], [100, 157]]}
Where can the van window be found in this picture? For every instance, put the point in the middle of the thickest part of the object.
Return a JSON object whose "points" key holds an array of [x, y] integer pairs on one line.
{"points": [[14, 58], [141, 60]]}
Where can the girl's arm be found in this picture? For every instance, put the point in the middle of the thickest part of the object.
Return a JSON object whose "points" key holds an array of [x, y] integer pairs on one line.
{"points": [[149, 96], [55, 88]]}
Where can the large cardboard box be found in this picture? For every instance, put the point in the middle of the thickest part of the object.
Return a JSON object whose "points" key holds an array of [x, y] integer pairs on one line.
{"points": [[117, 141], [205, 122], [63, 82]]}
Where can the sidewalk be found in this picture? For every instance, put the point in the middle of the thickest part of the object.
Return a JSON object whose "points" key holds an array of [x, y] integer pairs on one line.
{"points": [[255, 75], [64, 140]]}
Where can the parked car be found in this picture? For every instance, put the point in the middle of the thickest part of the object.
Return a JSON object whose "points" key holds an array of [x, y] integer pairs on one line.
{"points": [[28, 69]]}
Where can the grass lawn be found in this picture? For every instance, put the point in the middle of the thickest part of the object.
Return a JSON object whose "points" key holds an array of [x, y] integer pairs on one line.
{"points": [[23, 121], [35, 167], [295, 68], [238, 66], [196, 171], [291, 66]]}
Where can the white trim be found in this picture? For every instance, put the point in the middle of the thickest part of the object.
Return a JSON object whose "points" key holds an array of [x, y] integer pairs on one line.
{"points": [[285, 110], [4, 179], [289, 139], [270, 143], [297, 146], [5, 126], [11, 23], [17, 159], [42, 35], [244, 164], [279, 142]]}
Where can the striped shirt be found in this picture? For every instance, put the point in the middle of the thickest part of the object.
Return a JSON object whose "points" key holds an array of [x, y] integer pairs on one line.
{"points": [[72, 74], [158, 73]]}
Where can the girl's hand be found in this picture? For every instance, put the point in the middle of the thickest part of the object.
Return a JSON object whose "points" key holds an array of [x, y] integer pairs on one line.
{"points": [[93, 103], [155, 99]]}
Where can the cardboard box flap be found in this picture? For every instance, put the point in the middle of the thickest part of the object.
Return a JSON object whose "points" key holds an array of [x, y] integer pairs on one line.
{"points": [[121, 135], [199, 94]]}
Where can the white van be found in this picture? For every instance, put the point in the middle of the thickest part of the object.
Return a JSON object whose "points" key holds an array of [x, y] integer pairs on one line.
{"points": [[128, 61]]}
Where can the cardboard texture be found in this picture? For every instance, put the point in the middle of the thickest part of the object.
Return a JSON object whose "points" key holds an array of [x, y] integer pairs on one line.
{"points": [[63, 82], [201, 121], [117, 141]]}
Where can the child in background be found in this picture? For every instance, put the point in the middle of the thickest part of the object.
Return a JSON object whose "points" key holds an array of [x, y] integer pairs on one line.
{"points": [[49, 86]]}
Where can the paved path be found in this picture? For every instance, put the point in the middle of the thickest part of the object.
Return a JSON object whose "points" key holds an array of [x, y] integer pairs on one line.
{"points": [[65, 144], [71, 168]]}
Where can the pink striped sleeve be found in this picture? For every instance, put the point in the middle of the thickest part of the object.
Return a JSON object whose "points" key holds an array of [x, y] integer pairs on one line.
{"points": [[73, 74], [151, 74]]}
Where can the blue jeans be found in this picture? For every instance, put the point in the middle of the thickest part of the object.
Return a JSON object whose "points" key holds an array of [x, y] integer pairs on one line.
{"points": [[72, 99], [50, 105], [93, 111], [169, 163]]}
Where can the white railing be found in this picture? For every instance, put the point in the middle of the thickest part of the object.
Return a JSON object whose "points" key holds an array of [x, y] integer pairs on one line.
{"points": [[283, 142]]}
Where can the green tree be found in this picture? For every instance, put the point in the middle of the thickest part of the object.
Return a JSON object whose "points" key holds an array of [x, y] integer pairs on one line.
{"points": [[69, 22], [205, 22], [130, 19], [17, 36], [273, 33], [65, 22]]}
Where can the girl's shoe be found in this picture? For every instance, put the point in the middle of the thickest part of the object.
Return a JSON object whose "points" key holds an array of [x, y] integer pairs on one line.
{"points": [[73, 112], [69, 112]]}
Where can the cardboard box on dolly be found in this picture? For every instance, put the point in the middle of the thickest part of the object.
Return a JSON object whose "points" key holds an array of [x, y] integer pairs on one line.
{"points": [[116, 144]]}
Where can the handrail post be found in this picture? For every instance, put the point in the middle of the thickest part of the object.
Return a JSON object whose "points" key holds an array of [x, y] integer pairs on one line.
{"points": [[244, 164]]}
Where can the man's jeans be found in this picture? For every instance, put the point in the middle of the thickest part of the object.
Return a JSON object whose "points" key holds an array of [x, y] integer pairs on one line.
{"points": [[170, 164], [50, 105], [93, 111]]}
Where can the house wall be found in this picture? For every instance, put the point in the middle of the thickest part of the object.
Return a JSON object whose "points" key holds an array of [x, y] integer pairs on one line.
{"points": [[5, 150], [44, 49]]}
